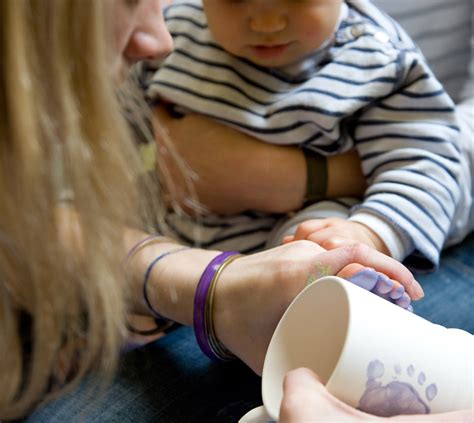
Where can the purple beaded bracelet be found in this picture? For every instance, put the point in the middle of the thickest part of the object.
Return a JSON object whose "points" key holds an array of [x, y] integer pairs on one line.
{"points": [[200, 300]]}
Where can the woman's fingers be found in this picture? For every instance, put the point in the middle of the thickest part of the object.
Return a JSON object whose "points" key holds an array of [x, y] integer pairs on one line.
{"points": [[305, 399]]}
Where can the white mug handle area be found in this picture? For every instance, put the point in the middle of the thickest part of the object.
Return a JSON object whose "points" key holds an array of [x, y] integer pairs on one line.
{"points": [[257, 415]]}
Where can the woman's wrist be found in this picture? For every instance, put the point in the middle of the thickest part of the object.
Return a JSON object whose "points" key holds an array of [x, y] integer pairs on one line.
{"points": [[345, 177], [252, 294], [171, 282], [317, 176], [341, 176]]}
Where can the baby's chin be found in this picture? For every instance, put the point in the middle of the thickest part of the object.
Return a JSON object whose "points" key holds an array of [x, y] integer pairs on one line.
{"points": [[277, 61], [271, 62]]}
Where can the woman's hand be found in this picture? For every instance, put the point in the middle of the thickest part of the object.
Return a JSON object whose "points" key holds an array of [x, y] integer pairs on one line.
{"points": [[305, 399], [254, 291]]}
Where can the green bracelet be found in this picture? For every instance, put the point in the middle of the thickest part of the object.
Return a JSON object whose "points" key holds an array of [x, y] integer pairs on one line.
{"points": [[317, 176]]}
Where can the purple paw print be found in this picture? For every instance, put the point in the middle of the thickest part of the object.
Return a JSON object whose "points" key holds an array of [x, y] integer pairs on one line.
{"points": [[396, 397]]}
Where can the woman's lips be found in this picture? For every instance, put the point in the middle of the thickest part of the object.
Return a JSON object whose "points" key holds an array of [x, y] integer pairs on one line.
{"points": [[270, 51]]}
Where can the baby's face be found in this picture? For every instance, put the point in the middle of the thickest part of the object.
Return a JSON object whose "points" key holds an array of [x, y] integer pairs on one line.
{"points": [[272, 33]]}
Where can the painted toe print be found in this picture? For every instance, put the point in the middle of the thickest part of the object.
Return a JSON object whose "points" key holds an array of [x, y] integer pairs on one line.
{"points": [[406, 393]]}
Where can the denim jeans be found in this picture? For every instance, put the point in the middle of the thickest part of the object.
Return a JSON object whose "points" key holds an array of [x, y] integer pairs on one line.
{"points": [[167, 381], [171, 381], [449, 292]]}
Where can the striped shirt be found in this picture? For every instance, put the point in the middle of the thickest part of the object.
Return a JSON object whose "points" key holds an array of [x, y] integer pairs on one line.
{"points": [[370, 88], [443, 29]]}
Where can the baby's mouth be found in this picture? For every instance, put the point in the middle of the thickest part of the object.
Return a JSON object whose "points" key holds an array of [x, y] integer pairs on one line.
{"points": [[264, 50]]}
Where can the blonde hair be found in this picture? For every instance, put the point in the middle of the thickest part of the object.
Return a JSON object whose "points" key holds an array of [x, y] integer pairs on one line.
{"points": [[59, 110]]}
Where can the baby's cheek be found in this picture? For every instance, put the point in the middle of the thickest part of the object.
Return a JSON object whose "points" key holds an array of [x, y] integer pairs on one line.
{"points": [[313, 36]]}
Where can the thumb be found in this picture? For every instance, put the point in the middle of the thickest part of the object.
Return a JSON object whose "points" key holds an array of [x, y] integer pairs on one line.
{"points": [[303, 396], [305, 399], [300, 380]]}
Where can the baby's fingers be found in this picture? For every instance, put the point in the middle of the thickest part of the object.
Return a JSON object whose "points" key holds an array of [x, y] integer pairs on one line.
{"points": [[309, 227]]}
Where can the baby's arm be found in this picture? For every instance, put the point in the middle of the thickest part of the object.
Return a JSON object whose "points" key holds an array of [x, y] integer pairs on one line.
{"points": [[409, 152]]}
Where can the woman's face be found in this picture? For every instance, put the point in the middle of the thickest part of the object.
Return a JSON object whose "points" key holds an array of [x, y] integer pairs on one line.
{"points": [[139, 33]]}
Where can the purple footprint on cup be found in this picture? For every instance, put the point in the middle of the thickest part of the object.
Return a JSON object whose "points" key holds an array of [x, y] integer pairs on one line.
{"points": [[396, 397], [381, 285]]}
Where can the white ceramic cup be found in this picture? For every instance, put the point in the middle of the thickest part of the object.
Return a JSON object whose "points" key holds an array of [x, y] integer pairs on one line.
{"points": [[369, 353]]}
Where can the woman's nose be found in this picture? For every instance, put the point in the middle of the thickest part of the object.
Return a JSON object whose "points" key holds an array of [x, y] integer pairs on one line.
{"points": [[151, 39], [149, 45], [268, 21]]}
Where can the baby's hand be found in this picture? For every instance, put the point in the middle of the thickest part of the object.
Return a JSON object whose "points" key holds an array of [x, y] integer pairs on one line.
{"points": [[334, 232], [377, 283]]}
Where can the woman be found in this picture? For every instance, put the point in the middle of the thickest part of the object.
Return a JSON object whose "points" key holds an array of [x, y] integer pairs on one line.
{"points": [[70, 180], [64, 294]]}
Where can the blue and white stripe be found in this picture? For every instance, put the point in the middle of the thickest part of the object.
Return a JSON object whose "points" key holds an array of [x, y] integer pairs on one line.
{"points": [[370, 89]]}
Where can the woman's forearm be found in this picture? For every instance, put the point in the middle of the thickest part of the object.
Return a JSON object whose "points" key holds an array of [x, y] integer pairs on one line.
{"points": [[276, 176], [236, 172], [172, 281], [345, 177], [253, 291]]}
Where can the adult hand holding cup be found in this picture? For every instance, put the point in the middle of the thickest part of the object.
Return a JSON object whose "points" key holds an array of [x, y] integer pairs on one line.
{"points": [[371, 354]]}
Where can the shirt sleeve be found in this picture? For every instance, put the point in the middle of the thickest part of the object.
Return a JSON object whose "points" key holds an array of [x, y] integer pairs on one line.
{"points": [[412, 163]]}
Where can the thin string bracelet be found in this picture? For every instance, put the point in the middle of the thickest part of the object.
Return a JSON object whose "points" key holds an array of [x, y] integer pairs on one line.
{"points": [[161, 324], [144, 243], [147, 278]]}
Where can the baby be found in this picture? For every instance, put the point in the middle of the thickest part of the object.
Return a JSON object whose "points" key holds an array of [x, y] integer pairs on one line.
{"points": [[328, 76]]}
